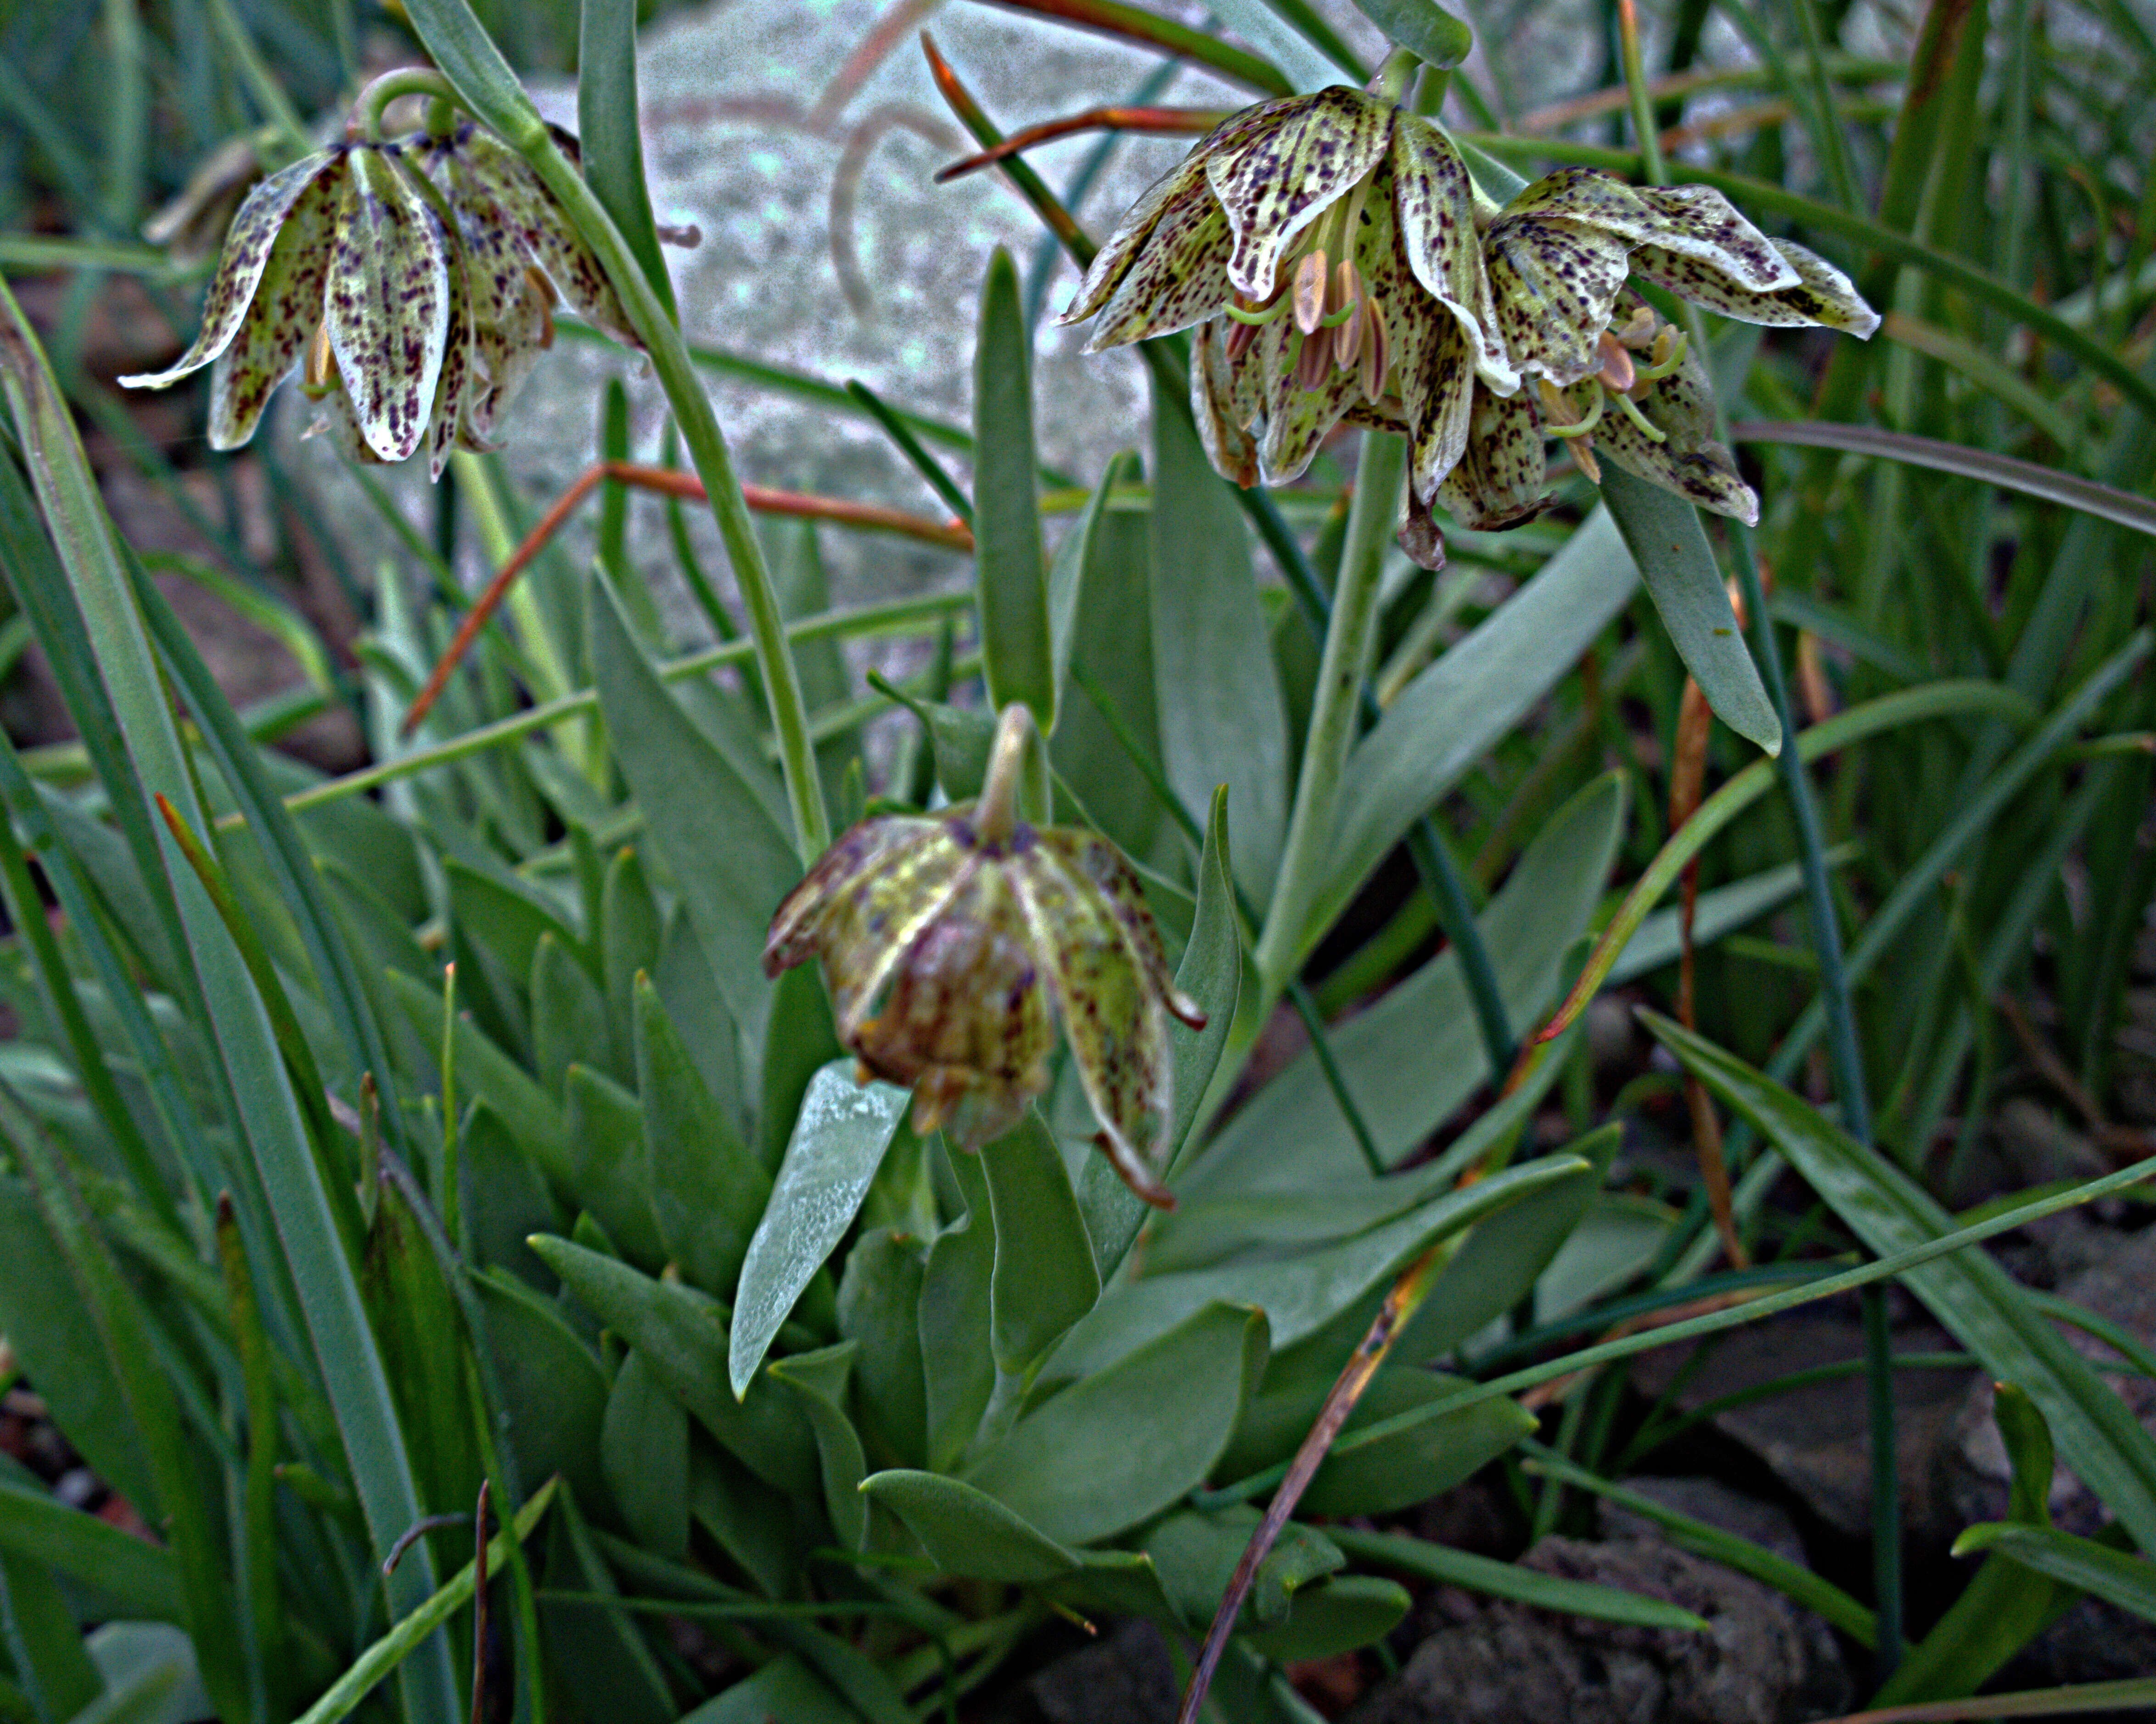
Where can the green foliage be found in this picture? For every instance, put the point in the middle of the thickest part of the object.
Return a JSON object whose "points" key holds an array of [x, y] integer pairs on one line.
{"points": [[306, 1234]]}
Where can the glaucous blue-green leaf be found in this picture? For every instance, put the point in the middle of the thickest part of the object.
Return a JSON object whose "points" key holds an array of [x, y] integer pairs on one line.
{"points": [[785, 1688], [730, 862], [553, 1393], [613, 1179], [1427, 1559], [125, 1574], [1668, 546], [1197, 1552], [1458, 709], [683, 1333], [1299, 1294], [2117, 1576], [1334, 1617], [2096, 1435], [967, 1532], [1117, 1447], [818, 1381], [958, 1361], [1013, 578], [1045, 1277], [839, 1142], [1221, 717], [1504, 1256], [1101, 611], [644, 1451], [570, 1023], [707, 1191], [879, 1309], [1412, 1059]]}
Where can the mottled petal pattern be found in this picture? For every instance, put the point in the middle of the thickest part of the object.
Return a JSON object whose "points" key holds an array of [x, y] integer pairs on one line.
{"points": [[1821, 293], [1229, 445], [1283, 175], [1439, 409], [283, 315], [1182, 184], [1433, 201], [1180, 279], [1697, 222], [1688, 460], [1111, 1016], [1554, 280], [445, 421], [864, 902], [388, 303], [1497, 482], [499, 177], [239, 271], [1297, 420]]}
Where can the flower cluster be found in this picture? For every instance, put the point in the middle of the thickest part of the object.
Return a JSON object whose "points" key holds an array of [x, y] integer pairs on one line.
{"points": [[952, 942], [1338, 261], [412, 279]]}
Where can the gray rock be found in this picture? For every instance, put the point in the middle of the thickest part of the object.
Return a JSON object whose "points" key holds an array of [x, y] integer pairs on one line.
{"points": [[1817, 1439], [1125, 1678], [1756, 1663]]}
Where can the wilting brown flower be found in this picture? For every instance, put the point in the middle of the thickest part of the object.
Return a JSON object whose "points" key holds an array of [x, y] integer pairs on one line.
{"points": [[953, 942]]}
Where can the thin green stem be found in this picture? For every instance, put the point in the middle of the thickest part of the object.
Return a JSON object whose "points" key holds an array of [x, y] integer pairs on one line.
{"points": [[1341, 670], [261, 82], [707, 450], [1644, 129], [373, 101]]}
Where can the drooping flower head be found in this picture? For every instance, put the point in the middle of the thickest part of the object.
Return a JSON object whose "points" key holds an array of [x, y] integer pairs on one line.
{"points": [[954, 942], [415, 277], [1327, 243], [1602, 371]]}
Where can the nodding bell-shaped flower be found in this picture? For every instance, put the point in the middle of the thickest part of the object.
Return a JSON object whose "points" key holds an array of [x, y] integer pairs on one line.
{"points": [[954, 942], [1560, 253], [1649, 407], [415, 277], [1327, 243]]}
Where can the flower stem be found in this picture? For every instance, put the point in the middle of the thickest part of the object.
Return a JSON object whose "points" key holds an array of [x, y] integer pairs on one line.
{"points": [[1400, 66], [997, 814], [1342, 668], [374, 100], [706, 444]]}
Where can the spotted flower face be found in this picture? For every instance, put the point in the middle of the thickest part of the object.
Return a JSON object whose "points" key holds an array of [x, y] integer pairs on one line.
{"points": [[1648, 407], [1560, 253], [415, 277], [953, 943], [1327, 243]]}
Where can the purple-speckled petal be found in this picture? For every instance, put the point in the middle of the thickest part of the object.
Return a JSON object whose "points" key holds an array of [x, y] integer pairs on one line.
{"points": [[1497, 481], [1283, 175], [388, 303], [1821, 293], [501, 181], [248, 248], [283, 316], [1433, 201], [1553, 279]]}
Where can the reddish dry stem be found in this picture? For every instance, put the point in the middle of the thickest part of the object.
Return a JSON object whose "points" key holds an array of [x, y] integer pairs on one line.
{"points": [[667, 481], [1191, 122]]}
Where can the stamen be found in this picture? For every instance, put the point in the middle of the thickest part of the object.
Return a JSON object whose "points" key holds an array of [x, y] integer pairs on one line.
{"points": [[1240, 337], [1639, 328], [1376, 349], [1313, 361], [1347, 296], [1626, 406], [1309, 292], [1667, 357], [320, 365], [1553, 398], [1616, 371]]}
